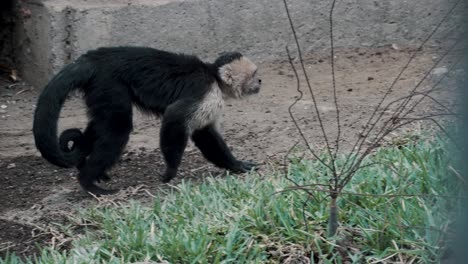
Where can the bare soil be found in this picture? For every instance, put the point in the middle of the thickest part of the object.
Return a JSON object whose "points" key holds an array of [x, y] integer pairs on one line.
{"points": [[35, 195]]}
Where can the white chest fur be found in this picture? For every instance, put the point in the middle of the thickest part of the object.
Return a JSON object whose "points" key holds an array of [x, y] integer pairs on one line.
{"points": [[209, 111]]}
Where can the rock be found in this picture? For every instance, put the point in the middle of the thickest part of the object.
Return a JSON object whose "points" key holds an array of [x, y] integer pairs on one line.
{"points": [[439, 71], [11, 166]]}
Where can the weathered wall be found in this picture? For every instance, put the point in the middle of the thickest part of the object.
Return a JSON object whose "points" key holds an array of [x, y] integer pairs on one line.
{"points": [[7, 25], [59, 30]]}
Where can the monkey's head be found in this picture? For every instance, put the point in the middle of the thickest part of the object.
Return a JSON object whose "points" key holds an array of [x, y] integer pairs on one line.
{"points": [[238, 75]]}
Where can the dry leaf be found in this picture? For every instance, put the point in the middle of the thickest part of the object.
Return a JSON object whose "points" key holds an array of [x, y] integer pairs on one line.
{"points": [[14, 75]]}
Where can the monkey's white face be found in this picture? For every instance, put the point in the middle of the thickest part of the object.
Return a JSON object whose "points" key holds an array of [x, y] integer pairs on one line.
{"points": [[241, 77], [252, 84]]}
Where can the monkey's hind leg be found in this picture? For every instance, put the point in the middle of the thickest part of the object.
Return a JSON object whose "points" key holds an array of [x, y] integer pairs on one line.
{"points": [[113, 135], [173, 140], [90, 137], [110, 132]]}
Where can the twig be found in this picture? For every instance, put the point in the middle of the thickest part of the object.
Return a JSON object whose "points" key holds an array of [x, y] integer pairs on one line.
{"points": [[403, 105], [387, 124], [335, 97], [305, 187], [298, 87], [449, 70], [22, 91], [360, 141], [459, 177], [301, 60]]}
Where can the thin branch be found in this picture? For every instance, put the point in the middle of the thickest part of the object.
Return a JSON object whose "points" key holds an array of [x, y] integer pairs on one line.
{"points": [[394, 117], [310, 194], [349, 174], [345, 170], [425, 95], [390, 120], [447, 134], [335, 97], [360, 141], [304, 188], [449, 70], [405, 103], [355, 166], [398, 111], [322, 127], [301, 133], [425, 116]]}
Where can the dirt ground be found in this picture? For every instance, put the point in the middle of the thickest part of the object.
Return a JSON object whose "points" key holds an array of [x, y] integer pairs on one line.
{"points": [[34, 195]]}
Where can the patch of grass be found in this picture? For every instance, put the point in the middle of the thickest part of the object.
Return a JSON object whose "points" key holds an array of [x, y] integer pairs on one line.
{"points": [[404, 213]]}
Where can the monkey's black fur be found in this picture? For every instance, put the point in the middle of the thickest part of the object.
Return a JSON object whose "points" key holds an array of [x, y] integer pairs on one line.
{"points": [[113, 79], [227, 57]]}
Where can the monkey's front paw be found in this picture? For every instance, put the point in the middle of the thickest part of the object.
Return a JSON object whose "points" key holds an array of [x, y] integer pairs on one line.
{"points": [[168, 175], [245, 166], [103, 177], [248, 165]]}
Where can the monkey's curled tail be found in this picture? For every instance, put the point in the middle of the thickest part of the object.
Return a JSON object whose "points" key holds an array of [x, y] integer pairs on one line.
{"points": [[46, 116]]}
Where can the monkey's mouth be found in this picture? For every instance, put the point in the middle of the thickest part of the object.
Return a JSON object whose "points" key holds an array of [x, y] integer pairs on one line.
{"points": [[255, 91]]}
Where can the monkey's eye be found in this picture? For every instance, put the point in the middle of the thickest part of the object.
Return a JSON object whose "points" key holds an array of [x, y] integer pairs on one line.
{"points": [[253, 74]]}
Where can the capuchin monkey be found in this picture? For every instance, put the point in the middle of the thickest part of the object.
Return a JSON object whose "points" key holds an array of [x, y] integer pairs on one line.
{"points": [[187, 93]]}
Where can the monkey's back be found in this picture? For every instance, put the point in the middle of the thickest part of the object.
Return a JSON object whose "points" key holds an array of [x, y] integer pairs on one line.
{"points": [[154, 78]]}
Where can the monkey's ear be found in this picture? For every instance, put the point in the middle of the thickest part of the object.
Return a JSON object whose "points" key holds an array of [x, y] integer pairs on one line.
{"points": [[225, 73]]}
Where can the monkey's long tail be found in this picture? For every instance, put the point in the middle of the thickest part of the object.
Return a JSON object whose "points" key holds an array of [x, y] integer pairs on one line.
{"points": [[51, 100]]}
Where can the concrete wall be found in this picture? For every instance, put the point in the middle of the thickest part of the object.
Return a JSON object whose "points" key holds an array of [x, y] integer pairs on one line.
{"points": [[57, 31], [7, 25]]}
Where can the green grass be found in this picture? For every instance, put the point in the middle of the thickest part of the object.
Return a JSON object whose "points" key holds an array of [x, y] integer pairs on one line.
{"points": [[250, 220]]}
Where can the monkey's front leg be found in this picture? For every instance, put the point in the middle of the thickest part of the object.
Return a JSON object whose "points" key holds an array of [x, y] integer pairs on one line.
{"points": [[173, 140], [214, 149]]}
